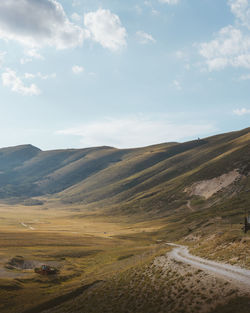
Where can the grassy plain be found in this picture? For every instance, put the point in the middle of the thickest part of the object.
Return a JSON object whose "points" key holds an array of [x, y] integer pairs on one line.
{"points": [[109, 263], [85, 248]]}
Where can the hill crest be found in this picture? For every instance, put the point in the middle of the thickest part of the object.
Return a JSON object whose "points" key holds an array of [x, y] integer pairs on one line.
{"points": [[151, 178]]}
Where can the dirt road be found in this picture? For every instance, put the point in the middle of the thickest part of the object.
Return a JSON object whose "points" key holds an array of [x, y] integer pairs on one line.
{"points": [[229, 272]]}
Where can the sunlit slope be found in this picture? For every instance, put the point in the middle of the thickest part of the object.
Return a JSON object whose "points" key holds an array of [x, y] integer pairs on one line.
{"points": [[156, 177], [149, 178]]}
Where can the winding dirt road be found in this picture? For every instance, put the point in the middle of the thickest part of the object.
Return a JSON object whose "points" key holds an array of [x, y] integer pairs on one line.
{"points": [[231, 273]]}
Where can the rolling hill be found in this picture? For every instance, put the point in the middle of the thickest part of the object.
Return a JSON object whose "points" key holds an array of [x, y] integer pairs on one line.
{"points": [[104, 215], [157, 179]]}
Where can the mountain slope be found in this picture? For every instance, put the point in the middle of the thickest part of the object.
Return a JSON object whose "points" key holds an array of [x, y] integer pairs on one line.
{"points": [[153, 178], [160, 183]]}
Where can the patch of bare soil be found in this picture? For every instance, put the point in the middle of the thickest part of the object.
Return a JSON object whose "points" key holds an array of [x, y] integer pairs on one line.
{"points": [[18, 262], [206, 188], [14, 268]]}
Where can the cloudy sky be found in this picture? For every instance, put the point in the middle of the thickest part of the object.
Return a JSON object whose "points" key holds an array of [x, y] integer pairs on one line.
{"points": [[122, 73]]}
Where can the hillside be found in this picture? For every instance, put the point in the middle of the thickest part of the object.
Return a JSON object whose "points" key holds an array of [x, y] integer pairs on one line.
{"points": [[156, 178], [103, 216]]}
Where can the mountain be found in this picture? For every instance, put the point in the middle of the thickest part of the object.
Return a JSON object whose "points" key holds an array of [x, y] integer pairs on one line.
{"points": [[156, 179]]}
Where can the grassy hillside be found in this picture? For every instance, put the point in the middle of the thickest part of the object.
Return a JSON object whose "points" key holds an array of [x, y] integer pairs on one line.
{"points": [[102, 216], [146, 179]]}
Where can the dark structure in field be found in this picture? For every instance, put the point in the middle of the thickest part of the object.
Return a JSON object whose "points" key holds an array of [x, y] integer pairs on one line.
{"points": [[247, 224], [46, 270]]}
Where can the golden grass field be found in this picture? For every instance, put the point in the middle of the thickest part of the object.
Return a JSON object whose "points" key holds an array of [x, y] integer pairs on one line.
{"points": [[109, 263], [85, 247]]}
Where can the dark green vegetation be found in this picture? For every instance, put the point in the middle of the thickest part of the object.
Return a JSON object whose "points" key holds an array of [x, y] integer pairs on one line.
{"points": [[104, 214]]}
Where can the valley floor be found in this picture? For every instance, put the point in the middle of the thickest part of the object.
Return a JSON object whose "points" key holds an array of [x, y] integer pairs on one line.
{"points": [[108, 264]]}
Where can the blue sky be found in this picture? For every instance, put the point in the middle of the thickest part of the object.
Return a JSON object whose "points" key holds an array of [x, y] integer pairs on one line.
{"points": [[122, 73]]}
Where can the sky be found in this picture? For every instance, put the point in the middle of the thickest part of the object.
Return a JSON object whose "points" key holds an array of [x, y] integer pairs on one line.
{"points": [[84, 73]]}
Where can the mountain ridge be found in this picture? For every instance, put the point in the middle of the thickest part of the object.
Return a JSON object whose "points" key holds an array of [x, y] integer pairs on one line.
{"points": [[149, 178]]}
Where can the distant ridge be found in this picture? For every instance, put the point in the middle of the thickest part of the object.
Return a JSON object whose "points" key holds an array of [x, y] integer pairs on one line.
{"points": [[10, 157], [151, 178]]}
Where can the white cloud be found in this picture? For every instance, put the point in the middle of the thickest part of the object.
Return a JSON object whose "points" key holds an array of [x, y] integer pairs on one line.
{"points": [[181, 54], [30, 55], [135, 131], [177, 84], [230, 48], [76, 17], [76, 3], [241, 10], [244, 77], [37, 23], [241, 112], [76, 69], [169, 1], [29, 75], [144, 38], [105, 28], [45, 77], [39, 75], [11, 80], [33, 53], [25, 60], [155, 12]]}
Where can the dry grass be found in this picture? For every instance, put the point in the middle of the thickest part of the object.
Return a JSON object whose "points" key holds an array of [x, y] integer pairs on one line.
{"points": [[84, 247], [157, 284], [125, 256]]}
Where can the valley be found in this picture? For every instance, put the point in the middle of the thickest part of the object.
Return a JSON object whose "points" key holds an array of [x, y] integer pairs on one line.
{"points": [[102, 218]]}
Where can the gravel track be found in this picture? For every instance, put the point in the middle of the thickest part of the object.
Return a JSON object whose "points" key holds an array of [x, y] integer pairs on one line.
{"points": [[229, 272]]}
